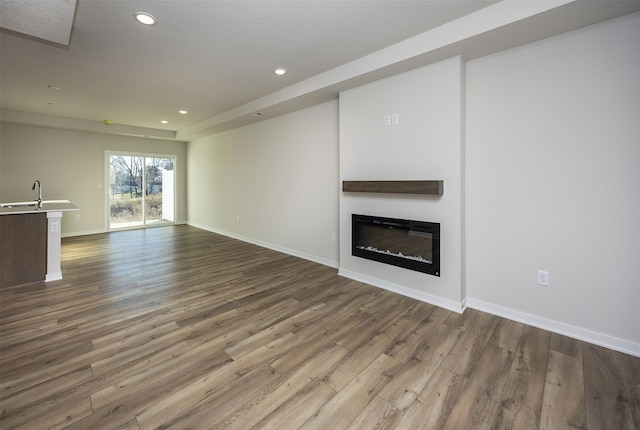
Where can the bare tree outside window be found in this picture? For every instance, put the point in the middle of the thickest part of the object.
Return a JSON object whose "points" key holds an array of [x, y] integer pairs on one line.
{"points": [[127, 173], [136, 190]]}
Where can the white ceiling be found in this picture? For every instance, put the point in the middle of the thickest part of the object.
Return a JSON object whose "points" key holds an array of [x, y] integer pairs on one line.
{"points": [[215, 58]]}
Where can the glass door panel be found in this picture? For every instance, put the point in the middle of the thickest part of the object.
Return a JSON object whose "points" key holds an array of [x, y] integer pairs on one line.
{"points": [[158, 190], [141, 191], [125, 191]]}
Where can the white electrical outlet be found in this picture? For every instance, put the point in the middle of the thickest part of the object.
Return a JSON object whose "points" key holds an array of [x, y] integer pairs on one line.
{"points": [[333, 237], [543, 278], [394, 119], [238, 218], [387, 120]]}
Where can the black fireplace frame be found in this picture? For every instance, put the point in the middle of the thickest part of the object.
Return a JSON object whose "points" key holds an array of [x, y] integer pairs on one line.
{"points": [[413, 228]]}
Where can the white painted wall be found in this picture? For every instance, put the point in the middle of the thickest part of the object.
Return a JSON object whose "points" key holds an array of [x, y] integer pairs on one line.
{"points": [[71, 165], [426, 144], [552, 182], [279, 177]]}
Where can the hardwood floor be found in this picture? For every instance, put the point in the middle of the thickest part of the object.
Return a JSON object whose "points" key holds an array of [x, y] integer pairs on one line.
{"points": [[176, 327]]}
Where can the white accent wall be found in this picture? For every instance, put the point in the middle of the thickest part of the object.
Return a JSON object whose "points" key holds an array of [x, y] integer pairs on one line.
{"points": [[553, 182], [273, 183], [425, 144]]}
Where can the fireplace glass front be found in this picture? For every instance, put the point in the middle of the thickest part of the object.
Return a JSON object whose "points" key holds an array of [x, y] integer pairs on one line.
{"points": [[413, 245]]}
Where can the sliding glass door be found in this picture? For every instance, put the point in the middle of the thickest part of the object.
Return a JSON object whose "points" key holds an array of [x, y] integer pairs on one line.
{"points": [[141, 190]]}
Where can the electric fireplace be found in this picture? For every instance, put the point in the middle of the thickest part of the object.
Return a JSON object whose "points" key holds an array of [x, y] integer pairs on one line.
{"points": [[413, 245]]}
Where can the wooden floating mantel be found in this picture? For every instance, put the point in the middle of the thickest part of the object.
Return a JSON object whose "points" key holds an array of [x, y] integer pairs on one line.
{"points": [[433, 188]]}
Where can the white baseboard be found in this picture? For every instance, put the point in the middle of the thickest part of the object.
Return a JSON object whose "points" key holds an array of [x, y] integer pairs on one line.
{"points": [[569, 330], [284, 250], [441, 302], [83, 233], [105, 230], [53, 276]]}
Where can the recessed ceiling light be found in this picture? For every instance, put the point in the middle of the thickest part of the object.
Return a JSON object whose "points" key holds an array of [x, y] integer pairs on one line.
{"points": [[53, 104], [257, 114], [145, 18], [183, 112], [164, 121], [54, 88], [280, 71]]}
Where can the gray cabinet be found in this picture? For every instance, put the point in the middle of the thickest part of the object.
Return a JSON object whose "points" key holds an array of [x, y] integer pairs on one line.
{"points": [[23, 248]]}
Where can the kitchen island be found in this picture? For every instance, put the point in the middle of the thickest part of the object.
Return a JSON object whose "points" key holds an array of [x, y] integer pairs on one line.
{"points": [[30, 234]]}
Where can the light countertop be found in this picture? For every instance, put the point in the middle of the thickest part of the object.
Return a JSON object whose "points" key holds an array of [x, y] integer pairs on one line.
{"points": [[32, 207]]}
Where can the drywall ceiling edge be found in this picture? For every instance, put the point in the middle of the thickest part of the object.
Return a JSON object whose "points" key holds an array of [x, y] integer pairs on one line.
{"points": [[501, 26]]}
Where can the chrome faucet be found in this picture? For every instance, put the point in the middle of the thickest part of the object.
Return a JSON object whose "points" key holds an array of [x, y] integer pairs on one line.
{"points": [[37, 182]]}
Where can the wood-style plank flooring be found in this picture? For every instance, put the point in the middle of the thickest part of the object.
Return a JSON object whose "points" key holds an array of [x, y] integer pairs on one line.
{"points": [[179, 328]]}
